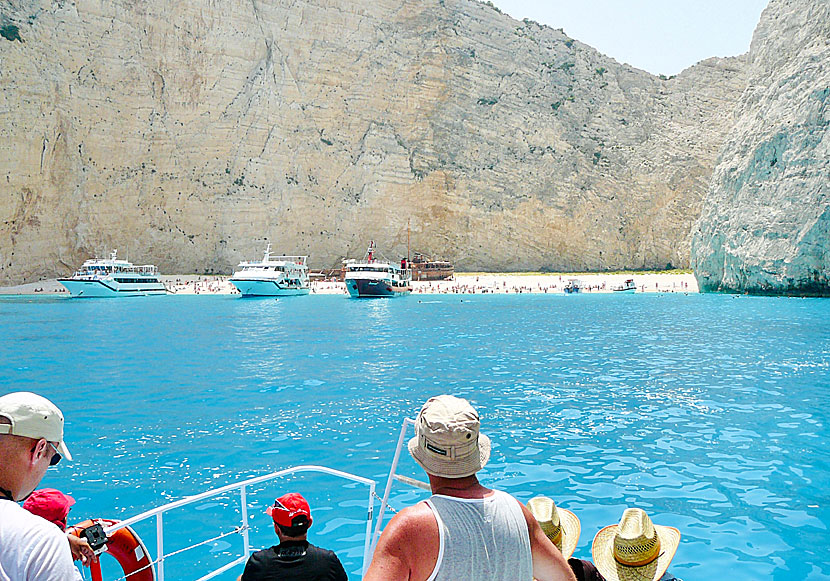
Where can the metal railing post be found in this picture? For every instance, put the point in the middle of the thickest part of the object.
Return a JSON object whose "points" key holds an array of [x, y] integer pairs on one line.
{"points": [[244, 499], [367, 542], [160, 546], [392, 469]]}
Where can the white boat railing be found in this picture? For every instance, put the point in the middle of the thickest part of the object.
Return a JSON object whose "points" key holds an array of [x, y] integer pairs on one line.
{"points": [[243, 529], [394, 476]]}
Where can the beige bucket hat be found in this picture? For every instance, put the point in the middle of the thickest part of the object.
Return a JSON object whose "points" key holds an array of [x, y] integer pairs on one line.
{"points": [[561, 526], [447, 441], [33, 416], [634, 550]]}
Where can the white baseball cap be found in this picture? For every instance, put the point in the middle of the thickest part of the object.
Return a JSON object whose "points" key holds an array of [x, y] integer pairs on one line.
{"points": [[33, 416]]}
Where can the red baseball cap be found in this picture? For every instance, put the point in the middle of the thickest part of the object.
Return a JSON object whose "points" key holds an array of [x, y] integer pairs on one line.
{"points": [[51, 504], [287, 507]]}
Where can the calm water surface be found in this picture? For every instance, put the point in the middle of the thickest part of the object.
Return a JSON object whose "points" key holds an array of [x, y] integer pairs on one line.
{"points": [[710, 412]]}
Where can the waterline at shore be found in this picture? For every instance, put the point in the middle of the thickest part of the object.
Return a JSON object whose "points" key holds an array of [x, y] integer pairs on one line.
{"points": [[462, 283]]}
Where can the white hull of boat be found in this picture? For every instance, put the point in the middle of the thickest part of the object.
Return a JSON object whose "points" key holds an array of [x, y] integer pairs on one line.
{"points": [[107, 288], [268, 288]]}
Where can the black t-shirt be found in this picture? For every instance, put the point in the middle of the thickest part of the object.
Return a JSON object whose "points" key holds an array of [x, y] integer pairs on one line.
{"points": [[294, 561]]}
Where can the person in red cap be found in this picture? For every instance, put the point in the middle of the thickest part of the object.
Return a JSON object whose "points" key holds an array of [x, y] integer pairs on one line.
{"points": [[294, 559], [53, 505]]}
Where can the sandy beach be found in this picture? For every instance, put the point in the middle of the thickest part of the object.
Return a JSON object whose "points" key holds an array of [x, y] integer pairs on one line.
{"points": [[462, 283]]}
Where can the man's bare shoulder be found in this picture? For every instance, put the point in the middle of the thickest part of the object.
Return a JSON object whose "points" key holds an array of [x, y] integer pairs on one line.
{"points": [[408, 547], [417, 519]]}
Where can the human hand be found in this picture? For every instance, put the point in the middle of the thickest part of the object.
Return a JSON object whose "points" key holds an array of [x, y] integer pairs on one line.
{"points": [[81, 550]]}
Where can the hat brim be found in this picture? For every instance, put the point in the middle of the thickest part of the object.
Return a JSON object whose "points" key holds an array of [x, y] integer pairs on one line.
{"points": [[571, 528], [451, 468], [64, 450], [602, 552]]}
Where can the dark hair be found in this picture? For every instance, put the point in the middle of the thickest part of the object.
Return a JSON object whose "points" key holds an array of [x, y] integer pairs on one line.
{"points": [[298, 527]]}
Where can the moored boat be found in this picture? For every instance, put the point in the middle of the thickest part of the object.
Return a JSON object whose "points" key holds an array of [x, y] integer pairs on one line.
{"points": [[426, 269], [377, 278], [110, 277], [573, 286], [626, 287], [273, 276]]}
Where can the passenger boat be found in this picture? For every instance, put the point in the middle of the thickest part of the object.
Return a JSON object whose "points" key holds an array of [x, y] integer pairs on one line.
{"points": [[573, 286], [625, 287], [110, 277], [142, 561], [377, 278], [273, 276]]}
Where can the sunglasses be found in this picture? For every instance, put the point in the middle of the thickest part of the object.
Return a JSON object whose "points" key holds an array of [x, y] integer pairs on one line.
{"points": [[56, 457]]}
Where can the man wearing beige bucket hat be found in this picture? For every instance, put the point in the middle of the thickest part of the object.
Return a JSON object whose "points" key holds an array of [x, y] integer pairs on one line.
{"points": [[464, 530], [31, 440], [636, 549]]}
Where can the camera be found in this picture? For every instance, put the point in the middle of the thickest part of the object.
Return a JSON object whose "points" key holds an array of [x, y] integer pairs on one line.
{"points": [[96, 538]]}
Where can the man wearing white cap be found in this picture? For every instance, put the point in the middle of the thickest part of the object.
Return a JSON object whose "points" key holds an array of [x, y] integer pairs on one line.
{"points": [[464, 530], [31, 440]]}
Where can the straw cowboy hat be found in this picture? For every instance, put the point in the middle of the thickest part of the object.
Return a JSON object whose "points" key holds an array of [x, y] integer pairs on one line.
{"points": [[634, 550], [560, 526]]}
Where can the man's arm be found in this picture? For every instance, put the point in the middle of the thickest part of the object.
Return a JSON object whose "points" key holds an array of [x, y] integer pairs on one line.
{"points": [[548, 562], [408, 547]]}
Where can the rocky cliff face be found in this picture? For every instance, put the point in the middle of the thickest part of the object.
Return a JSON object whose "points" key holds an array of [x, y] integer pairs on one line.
{"points": [[765, 227], [186, 134]]}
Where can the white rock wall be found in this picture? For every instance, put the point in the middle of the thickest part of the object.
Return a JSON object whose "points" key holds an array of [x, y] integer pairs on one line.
{"points": [[188, 133], [765, 227]]}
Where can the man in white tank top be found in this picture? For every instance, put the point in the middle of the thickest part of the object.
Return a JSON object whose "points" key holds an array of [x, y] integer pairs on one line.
{"points": [[464, 532]]}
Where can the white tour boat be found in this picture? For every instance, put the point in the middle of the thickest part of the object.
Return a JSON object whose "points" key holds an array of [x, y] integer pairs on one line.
{"points": [[110, 277], [377, 278], [273, 276]]}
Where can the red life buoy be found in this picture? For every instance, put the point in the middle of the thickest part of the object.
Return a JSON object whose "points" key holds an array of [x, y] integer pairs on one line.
{"points": [[127, 548]]}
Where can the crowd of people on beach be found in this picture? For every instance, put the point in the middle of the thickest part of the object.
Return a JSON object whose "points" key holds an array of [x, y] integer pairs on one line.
{"points": [[204, 285], [458, 284], [463, 531]]}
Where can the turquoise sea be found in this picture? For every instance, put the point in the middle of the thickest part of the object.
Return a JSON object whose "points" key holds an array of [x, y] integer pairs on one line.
{"points": [[708, 411]]}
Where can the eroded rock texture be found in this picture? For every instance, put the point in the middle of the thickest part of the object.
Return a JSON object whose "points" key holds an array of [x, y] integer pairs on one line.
{"points": [[187, 133], [765, 227]]}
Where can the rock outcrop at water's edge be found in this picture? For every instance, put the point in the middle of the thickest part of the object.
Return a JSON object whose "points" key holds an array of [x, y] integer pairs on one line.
{"points": [[765, 227], [187, 133]]}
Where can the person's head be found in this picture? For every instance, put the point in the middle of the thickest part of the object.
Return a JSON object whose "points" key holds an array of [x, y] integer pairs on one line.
{"points": [[634, 550], [292, 516], [51, 504], [447, 441], [559, 525], [31, 439]]}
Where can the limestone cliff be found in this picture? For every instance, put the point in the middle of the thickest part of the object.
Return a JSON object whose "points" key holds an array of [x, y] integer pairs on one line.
{"points": [[187, 133], [765, 227]]}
